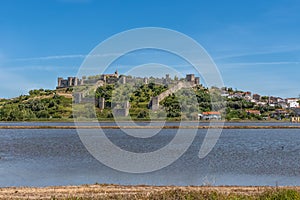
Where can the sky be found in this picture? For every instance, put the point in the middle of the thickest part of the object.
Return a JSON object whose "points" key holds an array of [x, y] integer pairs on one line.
{"points": [[255, 44]]}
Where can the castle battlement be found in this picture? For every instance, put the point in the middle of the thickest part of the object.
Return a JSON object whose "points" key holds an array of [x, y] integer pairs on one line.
{"points": [[122, 79]]}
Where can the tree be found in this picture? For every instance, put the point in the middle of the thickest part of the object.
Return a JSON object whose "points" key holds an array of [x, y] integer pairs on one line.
{"points": [[142, 114], [42, 114]]}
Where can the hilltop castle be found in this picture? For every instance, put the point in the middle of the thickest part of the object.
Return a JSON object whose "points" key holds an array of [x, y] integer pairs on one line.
{"points": [[122, 109], [74, 81], [115, 77], [69, 82]]}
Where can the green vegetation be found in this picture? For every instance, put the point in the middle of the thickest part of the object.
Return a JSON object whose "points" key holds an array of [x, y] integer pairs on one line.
{"points": [[38, 105], [139, 97], [185, 104], [179, 194]]}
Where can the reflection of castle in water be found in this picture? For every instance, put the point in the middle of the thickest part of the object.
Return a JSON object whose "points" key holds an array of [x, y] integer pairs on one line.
{"points": [[122, 109]]}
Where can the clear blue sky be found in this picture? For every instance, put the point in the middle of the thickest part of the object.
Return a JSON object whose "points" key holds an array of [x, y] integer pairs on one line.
{"points": [[255, 44]]}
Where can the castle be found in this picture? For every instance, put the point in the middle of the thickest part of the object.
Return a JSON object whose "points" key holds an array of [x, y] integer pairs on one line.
{"points": [[74, 81], [69, 82], [123, 109], [116, 78]]}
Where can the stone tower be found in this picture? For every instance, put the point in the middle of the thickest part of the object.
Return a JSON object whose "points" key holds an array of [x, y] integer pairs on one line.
{"points": [[59, 79], [123, 80], [154, 104], [101, 103], [190, 78], [146, 80], [70, 81], [197, 80], [75, 81]]}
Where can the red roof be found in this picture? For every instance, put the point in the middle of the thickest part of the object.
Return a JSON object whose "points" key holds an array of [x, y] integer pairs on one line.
{"points": [[211, 113], [256, 112]]}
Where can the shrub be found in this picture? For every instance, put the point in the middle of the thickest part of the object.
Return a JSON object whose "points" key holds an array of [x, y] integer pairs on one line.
{"points": [[142, 114]]}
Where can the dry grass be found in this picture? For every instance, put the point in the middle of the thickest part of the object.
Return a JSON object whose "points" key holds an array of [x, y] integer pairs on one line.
{"points": [[147, 192]]}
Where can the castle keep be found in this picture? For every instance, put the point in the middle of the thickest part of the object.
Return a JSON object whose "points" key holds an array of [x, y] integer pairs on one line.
{"points": [[69, 82], [74, 81]]}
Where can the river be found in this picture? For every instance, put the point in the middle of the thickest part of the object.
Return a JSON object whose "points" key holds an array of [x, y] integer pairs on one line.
{"points": [[45, 157]]}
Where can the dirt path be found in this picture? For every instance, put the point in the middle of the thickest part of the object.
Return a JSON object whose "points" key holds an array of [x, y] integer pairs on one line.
{"points": [[98, 191]]}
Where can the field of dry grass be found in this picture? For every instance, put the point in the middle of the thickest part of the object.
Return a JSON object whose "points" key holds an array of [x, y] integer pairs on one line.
{"points": [[147, 192]]}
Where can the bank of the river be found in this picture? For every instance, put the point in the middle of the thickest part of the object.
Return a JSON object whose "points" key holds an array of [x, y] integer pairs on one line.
{"points": [[149, 192], [64, 120], [149, 127]]}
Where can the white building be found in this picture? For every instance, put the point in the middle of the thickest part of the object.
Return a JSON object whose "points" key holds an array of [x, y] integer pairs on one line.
{"points": [[292, 102], [283, 105]]}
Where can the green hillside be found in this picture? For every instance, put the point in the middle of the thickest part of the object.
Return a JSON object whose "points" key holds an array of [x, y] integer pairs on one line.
{"points": [[38, 105], [185, 104]]}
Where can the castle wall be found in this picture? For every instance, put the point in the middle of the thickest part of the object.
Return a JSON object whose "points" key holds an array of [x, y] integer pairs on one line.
{"points": [[154, 103], [121, 112], [69, 82]]}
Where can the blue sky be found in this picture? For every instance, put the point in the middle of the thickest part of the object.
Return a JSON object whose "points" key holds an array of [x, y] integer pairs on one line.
{"points": [[255, 44]]}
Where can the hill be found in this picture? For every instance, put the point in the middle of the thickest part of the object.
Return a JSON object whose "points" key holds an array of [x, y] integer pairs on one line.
{"points": [[184, 104], [38, 105]]}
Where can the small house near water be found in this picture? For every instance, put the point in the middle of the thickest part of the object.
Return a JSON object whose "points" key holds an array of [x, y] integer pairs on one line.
{"points": [[213, 115]]}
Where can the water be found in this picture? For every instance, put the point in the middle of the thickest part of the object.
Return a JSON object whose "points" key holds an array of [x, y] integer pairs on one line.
{"points": [[241, 157]]}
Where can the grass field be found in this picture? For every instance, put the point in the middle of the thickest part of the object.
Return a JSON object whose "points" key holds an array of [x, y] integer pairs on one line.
{"points": [[97, 191]]}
